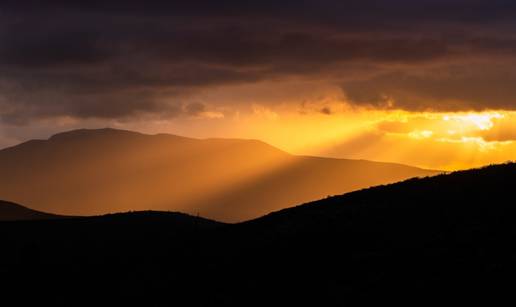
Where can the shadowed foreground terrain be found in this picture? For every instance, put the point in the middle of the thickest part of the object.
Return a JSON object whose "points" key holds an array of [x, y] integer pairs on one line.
{"points": [[92, 172], [418, 240]]}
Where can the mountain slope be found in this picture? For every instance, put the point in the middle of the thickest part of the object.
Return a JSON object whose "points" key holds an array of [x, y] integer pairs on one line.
{"points": [[443, 236], [14, 212], [438, 238], [91, 172], [476, 194]]}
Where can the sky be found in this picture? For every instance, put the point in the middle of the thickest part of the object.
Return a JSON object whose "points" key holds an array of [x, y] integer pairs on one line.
{"points": [[426, 83]]}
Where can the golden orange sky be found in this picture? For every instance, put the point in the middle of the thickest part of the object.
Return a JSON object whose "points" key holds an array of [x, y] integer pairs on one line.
{"points": [[322, 123], [306, 117], [446, 141]]}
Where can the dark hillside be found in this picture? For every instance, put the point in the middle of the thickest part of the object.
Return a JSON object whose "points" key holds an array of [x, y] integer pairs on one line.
{"points": [[438, 238]]}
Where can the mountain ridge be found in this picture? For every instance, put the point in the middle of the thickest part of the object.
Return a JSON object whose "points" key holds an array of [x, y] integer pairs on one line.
{"points": [[94, 172], [87, 132]]}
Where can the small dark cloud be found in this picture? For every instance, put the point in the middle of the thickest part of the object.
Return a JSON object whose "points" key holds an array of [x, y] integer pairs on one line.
{"points": [[326, 110], [195, 108]]}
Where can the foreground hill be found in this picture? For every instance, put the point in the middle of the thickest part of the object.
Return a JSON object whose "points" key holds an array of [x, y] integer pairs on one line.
{"points": [[14, 212], [438, 238], [91, 172]]}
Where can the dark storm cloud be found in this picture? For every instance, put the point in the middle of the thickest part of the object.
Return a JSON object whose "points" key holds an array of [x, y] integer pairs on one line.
{"points": [[345, 12], [113, 59], [59, 48], [447, 89]]}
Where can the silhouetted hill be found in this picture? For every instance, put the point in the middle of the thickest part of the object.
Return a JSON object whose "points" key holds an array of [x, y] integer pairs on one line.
{"points": [[14, 212], [461, 193], [444, 238], [148, 222], [92, 172], [129, 226]]}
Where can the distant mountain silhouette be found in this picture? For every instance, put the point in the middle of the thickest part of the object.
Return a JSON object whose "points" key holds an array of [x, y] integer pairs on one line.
{"points": [[442, 239], [14, 212], [91, 172]]}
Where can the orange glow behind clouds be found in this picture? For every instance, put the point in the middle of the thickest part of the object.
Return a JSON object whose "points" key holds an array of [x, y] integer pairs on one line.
{"points": [[310, 117], [446, 141]]}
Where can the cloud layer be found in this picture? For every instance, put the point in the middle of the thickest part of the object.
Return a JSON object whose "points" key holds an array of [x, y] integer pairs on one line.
{"points": [[121, 59]]}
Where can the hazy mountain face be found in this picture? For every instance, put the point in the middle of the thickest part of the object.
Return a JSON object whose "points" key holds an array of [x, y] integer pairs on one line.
{"points": [[88, 172]]}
